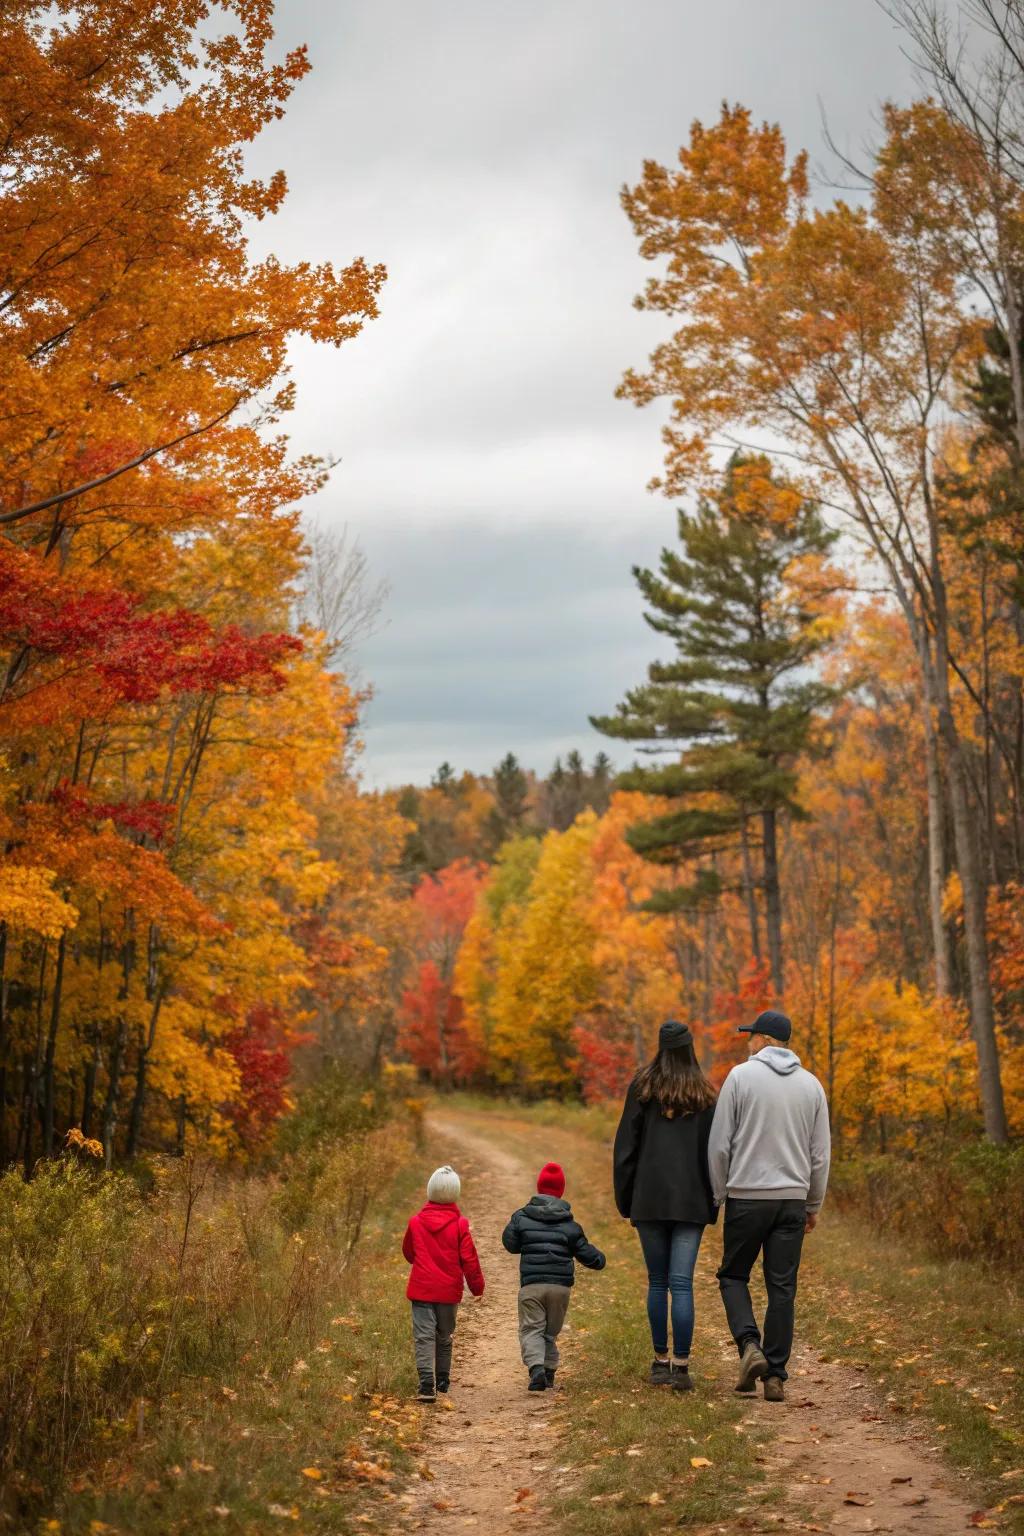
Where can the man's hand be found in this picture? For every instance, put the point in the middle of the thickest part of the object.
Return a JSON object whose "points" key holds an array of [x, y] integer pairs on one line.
{"points": [[811, 1221]]}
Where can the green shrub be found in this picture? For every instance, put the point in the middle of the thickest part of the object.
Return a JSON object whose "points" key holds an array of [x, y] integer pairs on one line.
{"points": [[961, 1201], [339, 1104]]}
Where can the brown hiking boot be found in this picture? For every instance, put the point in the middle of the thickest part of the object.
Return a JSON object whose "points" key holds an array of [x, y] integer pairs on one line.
{"points": [[753, 1366], [773, 1390]]}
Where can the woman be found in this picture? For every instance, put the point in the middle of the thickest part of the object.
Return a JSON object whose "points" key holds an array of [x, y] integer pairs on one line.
{"points": [[663, 1187]]}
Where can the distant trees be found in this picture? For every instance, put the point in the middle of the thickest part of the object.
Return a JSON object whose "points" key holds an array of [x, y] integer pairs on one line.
{"points": [[469, 816], [433, 1034]]}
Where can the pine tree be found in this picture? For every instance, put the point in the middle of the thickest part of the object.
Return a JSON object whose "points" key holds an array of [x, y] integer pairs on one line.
{"points": [[737, 703], [511, 789], [445, 779], [601, 774]]}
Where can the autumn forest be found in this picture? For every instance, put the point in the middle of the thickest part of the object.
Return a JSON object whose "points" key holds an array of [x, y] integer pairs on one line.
{"points": [[234, 972]]}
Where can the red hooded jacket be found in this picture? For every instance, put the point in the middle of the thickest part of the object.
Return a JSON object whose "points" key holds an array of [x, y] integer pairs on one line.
{"points": [[440, 1249]]}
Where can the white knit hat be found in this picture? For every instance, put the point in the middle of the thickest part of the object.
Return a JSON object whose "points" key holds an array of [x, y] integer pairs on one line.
{"points": [[444, 1185]]}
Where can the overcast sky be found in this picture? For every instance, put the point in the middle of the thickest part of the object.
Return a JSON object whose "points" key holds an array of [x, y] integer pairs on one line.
{"points": [[477, 148]]}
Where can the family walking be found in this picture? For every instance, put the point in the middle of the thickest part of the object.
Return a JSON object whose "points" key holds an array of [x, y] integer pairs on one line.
{"points": [[762, 1151], [760, 1148]]}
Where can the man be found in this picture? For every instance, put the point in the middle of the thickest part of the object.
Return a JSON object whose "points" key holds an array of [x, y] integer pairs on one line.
{"points": [[768, 1158]]}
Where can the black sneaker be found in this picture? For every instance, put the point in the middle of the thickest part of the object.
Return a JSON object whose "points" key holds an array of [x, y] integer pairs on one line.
{"points": [[538, 1379], [661, 1373], [426, 1393], [681, 1379], [443, 1384], [549, 1377]]}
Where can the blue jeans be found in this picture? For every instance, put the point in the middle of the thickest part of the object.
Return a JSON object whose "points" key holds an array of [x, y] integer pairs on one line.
{"points": [[670, 1253]]}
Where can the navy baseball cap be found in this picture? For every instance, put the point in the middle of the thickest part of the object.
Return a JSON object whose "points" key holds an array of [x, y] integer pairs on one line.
{"points": [[769, 1023]]}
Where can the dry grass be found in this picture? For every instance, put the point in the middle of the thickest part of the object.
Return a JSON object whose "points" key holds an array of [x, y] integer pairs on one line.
{"points": [[196, 1359]]}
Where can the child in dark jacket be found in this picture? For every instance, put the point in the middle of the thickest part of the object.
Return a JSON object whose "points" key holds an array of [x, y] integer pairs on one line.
{"points": [[548, 1241], [439, 1246]]}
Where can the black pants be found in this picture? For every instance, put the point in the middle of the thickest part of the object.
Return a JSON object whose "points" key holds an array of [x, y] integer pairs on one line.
{"points": [[774, 1229]]}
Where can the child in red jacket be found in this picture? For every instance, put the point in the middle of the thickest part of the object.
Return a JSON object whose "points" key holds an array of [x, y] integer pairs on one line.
{"points": [[440, 1249]]}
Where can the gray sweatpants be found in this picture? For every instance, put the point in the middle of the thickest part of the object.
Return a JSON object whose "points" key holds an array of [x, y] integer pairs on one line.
{"points": [[542, 1310], [433, 1323]]}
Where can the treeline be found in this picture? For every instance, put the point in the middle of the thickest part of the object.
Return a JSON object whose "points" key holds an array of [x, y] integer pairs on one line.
{"points": [[469, 816], [192, 885]]}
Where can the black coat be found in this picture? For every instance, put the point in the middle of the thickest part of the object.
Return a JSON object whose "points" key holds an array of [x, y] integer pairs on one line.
{"points": [[549, 1240], [661, 1164]]}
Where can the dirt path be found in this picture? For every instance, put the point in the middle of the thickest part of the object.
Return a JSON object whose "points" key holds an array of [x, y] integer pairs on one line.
{"points": [[839, 1462], [489, 1447], [836, 1454]]}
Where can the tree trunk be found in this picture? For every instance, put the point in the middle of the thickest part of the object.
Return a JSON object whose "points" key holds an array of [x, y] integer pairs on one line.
{"points": [[772, 899], [139, 1097], [935, 666], [936, 855], [49, 1064], [3, 1045], [23, 1145], [113, 1089], [983, 1023], [89, 1089], [707, 965], [750, 893], [833, 926], [30, 1071]]}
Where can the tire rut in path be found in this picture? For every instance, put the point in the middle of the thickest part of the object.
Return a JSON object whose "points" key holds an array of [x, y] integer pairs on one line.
{"points": [[490, 1440]]}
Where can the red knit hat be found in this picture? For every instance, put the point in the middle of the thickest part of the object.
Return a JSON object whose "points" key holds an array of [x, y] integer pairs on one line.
{"points": [[551, 1181]]}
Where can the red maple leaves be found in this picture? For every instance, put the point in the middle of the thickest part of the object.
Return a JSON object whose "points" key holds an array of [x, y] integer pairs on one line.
{"points": [[99, 636]]}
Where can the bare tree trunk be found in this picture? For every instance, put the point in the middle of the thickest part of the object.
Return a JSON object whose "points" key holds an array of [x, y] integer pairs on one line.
{"points": [[975, 894], [30, 1072], [138, 1108], [936, 855], [49, 1064], [89, 1089], [750, 893], [113, 1090], [707, 965], [155, 994], [833, 926], [772, 899], [3, 1045]]}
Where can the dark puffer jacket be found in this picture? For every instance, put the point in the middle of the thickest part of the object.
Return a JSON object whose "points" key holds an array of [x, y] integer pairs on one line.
{"points": [[548, 1241]]}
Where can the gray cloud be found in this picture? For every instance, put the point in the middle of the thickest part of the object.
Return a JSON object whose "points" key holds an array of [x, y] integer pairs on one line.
{"points": [[477, 148]]}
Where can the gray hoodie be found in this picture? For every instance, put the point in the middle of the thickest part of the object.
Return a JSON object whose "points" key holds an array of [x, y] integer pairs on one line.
{"points": [[770, 1136]]}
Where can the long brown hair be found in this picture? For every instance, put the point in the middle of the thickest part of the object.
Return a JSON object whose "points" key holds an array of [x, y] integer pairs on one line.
{"points": [[676, 1083]]}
